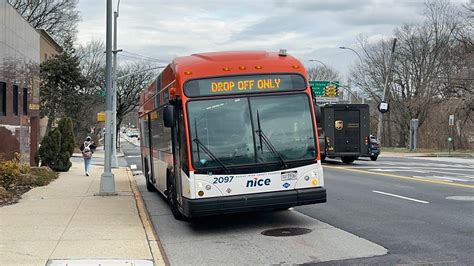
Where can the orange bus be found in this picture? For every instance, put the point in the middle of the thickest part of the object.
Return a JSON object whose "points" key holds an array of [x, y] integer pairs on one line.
{"points": [[228, 132]]}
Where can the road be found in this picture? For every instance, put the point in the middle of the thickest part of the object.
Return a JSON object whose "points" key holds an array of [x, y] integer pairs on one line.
{"points": [[420, 210]]}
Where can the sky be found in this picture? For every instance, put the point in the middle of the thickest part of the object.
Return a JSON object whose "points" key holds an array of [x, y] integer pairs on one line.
{"points": [[312, 29]]}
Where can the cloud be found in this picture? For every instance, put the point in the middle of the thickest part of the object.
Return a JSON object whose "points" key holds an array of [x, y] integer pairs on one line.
{"points": [[308, 29]]}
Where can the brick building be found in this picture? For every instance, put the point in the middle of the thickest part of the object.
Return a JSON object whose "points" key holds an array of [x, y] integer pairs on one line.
{"points": [[22, 49]]}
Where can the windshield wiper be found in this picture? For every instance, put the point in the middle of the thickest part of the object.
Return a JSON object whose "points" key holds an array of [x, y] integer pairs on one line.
{"points": [[267, 142], [208, 152]]}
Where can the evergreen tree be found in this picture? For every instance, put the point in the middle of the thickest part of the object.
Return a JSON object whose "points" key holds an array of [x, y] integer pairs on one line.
{"points": [[67, 135], [67, 145], [62, 85]]}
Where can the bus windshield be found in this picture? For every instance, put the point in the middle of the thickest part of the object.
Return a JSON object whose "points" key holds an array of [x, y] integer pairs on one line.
{"points": [[251, 130]]}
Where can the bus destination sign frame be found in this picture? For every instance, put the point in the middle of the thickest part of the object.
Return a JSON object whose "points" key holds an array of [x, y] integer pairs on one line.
{"points": [[244, 84]]}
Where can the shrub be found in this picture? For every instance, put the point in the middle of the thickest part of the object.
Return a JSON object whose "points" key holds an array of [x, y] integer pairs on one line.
{"points": [[43, 175], [9, 170], [24, 168], [50, 148], [4, 194], [63, 164]]}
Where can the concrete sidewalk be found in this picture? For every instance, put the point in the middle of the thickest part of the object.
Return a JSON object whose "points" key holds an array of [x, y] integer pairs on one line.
{"points": [[64, 223]]}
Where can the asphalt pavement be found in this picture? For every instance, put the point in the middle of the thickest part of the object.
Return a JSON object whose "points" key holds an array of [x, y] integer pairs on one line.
{"points": [[411, 206], [420, 209]]}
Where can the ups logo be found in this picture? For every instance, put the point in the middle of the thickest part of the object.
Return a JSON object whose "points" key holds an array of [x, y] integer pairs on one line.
{"points": [[339, 124]]}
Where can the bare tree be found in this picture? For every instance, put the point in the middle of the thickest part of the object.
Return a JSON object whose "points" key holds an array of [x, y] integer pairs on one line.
{"points": [[426, 59], [58, 17], [92, 62], [323, 73], [92, 58], [129, 88]]}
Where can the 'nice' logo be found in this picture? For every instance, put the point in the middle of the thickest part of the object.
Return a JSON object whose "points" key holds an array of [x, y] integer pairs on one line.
{"points": [[258, 182]]}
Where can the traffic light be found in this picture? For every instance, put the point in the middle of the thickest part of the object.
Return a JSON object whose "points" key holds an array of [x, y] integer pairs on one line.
{"points": [[331, 91]]}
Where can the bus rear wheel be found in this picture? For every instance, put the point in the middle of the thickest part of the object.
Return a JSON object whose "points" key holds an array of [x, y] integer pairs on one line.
{"points": [[173, 201]]}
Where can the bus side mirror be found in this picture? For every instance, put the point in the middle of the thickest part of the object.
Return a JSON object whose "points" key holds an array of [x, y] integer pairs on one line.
{"points": [[169, 116], [317, 110]]}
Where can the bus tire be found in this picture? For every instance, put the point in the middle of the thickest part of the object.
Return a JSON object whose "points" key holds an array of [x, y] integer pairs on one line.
{"points": [[149, 186], [373, 158], [348, 159], [173, 199]]}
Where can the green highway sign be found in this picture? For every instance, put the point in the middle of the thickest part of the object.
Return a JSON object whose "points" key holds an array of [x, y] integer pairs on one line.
{"points": [[102, 92], [324, 88]]}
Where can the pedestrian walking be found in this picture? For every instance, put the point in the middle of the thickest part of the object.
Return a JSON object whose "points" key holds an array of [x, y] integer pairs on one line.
{"points": [[87, 148]]}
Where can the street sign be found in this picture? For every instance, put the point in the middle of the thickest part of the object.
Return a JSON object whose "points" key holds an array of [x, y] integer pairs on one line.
{"points": [[102, 93], [325, 88], [383, 107], [101, 117], [451, 120], [327, 99]]}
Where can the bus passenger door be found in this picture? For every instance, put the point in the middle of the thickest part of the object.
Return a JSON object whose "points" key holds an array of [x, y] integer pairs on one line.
{"points": [[176, 141], [146, 147]]}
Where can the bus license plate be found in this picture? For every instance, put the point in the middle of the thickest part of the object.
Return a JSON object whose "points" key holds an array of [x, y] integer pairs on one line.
{"points": [[285, 176]]}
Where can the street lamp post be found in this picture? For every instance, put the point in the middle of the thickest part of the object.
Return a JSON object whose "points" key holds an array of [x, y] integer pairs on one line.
{"points": [[315, 60], [385, 87], [107, 180], [114, 91], [348, 48]]}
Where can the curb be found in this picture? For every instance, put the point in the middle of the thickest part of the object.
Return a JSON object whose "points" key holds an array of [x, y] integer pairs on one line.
{"points": [[156, 248]]}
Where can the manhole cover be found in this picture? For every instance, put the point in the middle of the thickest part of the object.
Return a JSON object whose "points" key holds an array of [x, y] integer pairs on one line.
{"points": [[286, 231], [463, 198]]}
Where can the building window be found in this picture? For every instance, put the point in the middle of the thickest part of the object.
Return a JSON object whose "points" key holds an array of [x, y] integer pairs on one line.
{"points": [[25, 101], [15, 100], [3, 99]]}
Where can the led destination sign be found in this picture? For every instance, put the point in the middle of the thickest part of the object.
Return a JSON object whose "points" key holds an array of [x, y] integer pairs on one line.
{"points": [[244, 84]]}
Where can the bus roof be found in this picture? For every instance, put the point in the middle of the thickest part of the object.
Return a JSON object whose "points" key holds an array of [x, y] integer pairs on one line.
{"points": [[233, 63]]}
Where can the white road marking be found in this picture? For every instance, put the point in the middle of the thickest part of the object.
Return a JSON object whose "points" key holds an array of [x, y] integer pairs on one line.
{"points": [[398, 196], [133, 156], [432, 178], [449, 179], [399, 170]]}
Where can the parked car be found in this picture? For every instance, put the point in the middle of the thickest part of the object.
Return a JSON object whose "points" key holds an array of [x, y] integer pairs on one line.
{"points": [[133, 134], [374, 148]]}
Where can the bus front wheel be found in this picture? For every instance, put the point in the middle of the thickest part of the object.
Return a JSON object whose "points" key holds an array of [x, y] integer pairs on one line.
{"points": [[172, 200]]}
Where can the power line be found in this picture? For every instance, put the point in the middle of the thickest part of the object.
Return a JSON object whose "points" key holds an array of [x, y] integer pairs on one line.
{"points": [[143, 56], [139, 58]]}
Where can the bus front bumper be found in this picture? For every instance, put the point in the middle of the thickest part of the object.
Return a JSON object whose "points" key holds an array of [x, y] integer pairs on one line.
{"points": [[253, 202]]}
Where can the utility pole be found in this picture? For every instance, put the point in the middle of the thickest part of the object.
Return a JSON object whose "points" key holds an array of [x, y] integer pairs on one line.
{"points": [[383, 106], [107, 180], [114, 92]]}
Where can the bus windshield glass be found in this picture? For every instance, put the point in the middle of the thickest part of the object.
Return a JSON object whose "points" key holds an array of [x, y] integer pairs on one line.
{"points": [[235, 130]]}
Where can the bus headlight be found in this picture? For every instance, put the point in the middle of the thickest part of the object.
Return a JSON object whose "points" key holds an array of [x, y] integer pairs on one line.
{"points": [[208, 187], [306, 177]]}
